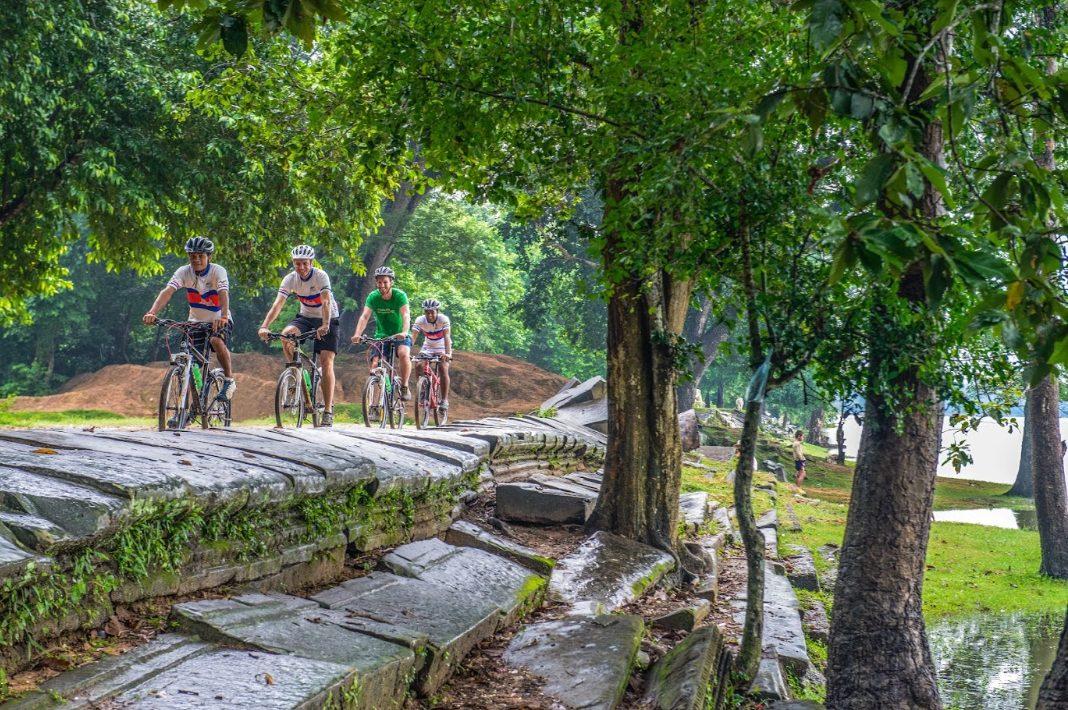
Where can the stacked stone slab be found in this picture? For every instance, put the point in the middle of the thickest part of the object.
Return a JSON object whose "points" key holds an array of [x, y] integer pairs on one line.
{"points": [[128, 515], [363, 644]]}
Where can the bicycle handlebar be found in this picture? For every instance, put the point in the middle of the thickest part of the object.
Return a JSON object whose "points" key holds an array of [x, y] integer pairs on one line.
{"points": [[183, 324], [298, 338]]}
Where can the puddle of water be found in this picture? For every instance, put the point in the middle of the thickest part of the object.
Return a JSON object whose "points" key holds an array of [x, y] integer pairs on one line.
{"points": [[995, 662], [994, 517]]}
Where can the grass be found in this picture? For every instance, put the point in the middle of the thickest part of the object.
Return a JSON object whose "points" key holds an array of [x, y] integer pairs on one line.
{"points": [[71, 417], [971, 569]]}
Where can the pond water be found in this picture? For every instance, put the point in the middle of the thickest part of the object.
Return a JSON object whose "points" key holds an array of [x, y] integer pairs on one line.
{"points": [[995, 450], [995, 517], [994, 662]]}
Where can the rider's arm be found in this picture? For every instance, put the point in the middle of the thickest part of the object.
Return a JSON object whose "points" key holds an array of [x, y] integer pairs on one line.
{"points": [[224, 304], [157, 305], [272, 313], [325, 327], [448, 343], [407, 316], [362, 323]]}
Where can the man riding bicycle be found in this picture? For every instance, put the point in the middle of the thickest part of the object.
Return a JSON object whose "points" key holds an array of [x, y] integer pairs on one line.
{"points": [[318, 312], [437, 340], [389, 306], [207, 290]]}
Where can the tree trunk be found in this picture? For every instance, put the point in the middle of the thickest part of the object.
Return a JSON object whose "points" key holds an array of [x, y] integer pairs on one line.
{"points": [[753, 631], [639, 497], [1047, 461], [719, 393], [878, 654], [1025, 477], [1054, 692], [815, 427], [1043, 413], [709, 334], [396, 213], [840, 439]]}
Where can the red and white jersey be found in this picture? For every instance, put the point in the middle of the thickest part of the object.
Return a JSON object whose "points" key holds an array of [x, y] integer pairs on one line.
{"points": [[433, 333], [309, 292], [201, 290]]}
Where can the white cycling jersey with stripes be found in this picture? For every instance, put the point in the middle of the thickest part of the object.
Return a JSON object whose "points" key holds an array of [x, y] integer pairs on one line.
{"points": [[309, 292]]}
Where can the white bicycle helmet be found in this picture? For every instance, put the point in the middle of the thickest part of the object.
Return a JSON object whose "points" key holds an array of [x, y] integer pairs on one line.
{"points": [[431, 304], [199, 245], [385, 271], [302, 251]]}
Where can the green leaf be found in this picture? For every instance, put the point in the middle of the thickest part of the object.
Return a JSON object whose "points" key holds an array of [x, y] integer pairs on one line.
{"points": [[937, 178], [872, 179], [936, 279], [861, 106], [1059, 356], [947, 10], [825, 23], [845, 257]]}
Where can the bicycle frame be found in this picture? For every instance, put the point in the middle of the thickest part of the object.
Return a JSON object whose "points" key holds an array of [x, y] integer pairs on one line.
{"points": [[186, 357], [431, 369], [305, 364]]}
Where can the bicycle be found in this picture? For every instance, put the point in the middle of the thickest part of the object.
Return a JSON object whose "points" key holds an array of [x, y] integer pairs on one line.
{"points": [[191, 390], [300, 385], [382, 399], [428, 392]]}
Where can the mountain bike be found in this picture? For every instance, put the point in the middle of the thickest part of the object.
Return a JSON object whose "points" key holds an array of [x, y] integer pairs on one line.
{"points": [[382, 399], [191, 391], [428, 392], [299, 391]]}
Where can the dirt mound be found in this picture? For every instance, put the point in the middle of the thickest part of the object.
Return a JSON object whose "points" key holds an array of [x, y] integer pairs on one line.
{"points": [[482, 385]]}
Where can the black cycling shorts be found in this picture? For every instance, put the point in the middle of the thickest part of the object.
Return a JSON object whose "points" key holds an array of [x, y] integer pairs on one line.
{"points": [[199, 336], [328, 342]]}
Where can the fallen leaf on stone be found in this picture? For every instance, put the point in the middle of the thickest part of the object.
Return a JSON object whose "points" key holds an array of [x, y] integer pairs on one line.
{"points": [[89, 429], [185, 462], [188, 692], [247, 455], [43, 450], [268, 679], [218, 697]]}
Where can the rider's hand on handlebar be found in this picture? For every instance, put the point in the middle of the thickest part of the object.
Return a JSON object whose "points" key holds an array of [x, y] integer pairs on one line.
{"points": [[219, 323], [265, 334], [148, 318], [321, 331]]}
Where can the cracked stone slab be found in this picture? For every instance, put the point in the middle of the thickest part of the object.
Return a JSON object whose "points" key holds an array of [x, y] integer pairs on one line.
{"points": [[467, 570], [445, 623], [801, 569], [607, 571], [592, 415], [470, 535], [14, 558], [546, 504], [770, 683], [679, 680], [432, 448], [81, 511], [592, 389], [299, 627], [693, 509], [584, 662]]}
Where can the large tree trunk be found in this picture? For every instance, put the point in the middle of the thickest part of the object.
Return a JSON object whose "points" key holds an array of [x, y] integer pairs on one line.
{"points": [[1054, 692], [639, 497], [1047, 461], [709, 333], [816, 436], [840, 439], [753, 540], [878, 655], [1025, 477]]}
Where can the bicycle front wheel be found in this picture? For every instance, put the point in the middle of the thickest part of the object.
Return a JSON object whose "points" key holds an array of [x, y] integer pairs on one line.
{"points": [[424, 403], [318, 404], [172, 410], [373, 404], [289, 400], [396, 406], [216, 410]]}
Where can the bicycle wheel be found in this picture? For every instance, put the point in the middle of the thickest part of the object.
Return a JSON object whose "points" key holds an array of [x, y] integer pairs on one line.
{"points": [[423, 403], [317, 403], [216, 411], [373, 405], [172, 410], [396, 406], [289, 399]]}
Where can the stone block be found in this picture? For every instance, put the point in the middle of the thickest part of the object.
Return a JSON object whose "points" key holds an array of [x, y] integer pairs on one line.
{"points": [[815, 622], [470, 535], [770, 683], [583, 662], [445, 623], [685, 619], [537, 503], [608, 571], [688, 430], [801, 569], [680, 679], [592, 389]]}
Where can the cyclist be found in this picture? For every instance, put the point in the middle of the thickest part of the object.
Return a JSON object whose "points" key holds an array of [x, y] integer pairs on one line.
{"points": [[318, 312], [437, 340], [208, 292], [389, 306]]}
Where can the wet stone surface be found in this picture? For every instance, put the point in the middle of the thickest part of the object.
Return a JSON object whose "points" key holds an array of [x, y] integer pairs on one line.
{"points": [[530, 502], [770, 683], [801, 569], [607, 571], [783, 635], [468, 534], [585, 662]]}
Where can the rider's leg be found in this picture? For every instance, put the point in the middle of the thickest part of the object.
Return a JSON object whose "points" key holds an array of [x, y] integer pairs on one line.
{"points": [[223, 353], [443, 370], [326, 359], [288, 348], [404, 365]]}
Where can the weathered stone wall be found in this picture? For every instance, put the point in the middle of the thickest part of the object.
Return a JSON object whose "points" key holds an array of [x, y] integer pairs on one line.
{"points": [[90, 519]]}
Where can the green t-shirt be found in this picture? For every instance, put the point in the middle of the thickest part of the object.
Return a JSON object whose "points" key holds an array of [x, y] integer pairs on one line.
{"points": [[388, 318]]}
